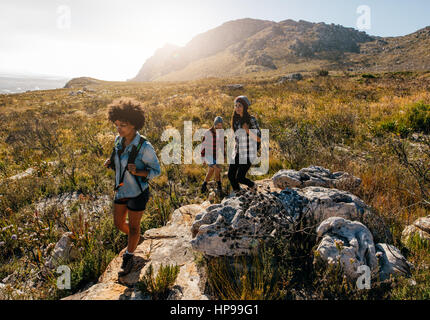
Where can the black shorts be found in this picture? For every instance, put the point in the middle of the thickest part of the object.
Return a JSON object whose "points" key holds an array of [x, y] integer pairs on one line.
{"points": [[135, 204]]}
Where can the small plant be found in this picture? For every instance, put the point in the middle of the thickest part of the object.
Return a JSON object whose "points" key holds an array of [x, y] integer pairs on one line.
{"points": [[245, 278], [368, 76], [323, 73], [160, 286]]}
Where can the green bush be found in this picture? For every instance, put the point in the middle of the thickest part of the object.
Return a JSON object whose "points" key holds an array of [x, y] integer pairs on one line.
{"points": [[159, 287], [368, 76], [418, 118]]}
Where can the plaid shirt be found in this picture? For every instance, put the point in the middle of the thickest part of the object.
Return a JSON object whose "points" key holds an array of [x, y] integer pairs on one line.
{"points": [[246, 147]]}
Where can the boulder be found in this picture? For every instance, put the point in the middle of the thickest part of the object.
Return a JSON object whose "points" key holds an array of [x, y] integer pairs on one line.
{"points": [[314, 176], [169, 245], [351, 244], [235, 226], [234, 87], [63, 252], [322, 203], [391, 261], [291, 77], [420, 228], [347, 242]]}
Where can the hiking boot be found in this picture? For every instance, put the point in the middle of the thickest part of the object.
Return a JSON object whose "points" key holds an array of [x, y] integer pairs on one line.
{"points": [[204, 187], [219, 190], [127, 264]]}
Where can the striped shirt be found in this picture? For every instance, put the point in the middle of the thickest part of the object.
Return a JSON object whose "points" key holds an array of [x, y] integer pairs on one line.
{"points": [[245, 146]]}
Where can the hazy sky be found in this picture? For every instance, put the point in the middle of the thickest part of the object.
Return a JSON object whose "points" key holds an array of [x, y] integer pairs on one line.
{"points": [[111, 39]]}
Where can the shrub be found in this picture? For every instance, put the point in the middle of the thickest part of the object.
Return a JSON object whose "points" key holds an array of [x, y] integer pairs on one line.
{"points": [[368, 76], [418, 118], [160, 286], [323, 73], [245, 278]]}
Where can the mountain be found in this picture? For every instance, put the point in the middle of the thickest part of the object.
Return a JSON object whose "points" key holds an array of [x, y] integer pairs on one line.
{"points": [[248, 46]]}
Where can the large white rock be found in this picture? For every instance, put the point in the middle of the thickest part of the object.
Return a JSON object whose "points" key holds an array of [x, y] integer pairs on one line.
{"points": [[323, 203], [351, 244], [347, 242], [234, 227], [314, 176]]}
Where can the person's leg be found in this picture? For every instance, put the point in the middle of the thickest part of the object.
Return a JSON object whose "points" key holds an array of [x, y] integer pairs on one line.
{"points": [[241, 173], [120, 216], [210, 174], [134, 218], [217, 171], [232, 172]]}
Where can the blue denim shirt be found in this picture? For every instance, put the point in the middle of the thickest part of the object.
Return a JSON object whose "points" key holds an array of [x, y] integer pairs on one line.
{"points": [[145, 160]]}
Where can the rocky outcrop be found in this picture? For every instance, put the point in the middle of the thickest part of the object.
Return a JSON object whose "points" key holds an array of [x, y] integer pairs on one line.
{"points": [[237, 225], [347, 242], [290, 77], [420, 228], [351, 244], [234, 226], [263, 60], [169, 245], [314, 176]]}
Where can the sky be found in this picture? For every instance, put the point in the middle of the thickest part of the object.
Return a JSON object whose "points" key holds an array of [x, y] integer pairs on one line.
{"points": [[111, 39]]}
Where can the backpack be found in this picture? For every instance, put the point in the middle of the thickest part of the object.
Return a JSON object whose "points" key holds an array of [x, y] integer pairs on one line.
{"points": [[131, 160]]}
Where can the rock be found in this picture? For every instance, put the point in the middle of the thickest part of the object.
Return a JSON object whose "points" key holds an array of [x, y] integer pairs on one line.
{"points": [[314, 176], [234, 87], [347, 242], [169, 245], [322, 203], [93, 206], [263, 60], [291, 77], [63, 252], [391, 261], [234, 226], [420, 228], [24, 174]]}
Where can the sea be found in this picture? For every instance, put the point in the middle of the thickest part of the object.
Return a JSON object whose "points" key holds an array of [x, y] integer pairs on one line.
{"points": [[18, 83]]}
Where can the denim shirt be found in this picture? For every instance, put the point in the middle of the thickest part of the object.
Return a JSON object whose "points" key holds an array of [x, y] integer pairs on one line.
{"points": [[145, 160]]}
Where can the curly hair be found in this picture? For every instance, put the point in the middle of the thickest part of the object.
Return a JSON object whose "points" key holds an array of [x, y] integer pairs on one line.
{"points": [[127, 110]]}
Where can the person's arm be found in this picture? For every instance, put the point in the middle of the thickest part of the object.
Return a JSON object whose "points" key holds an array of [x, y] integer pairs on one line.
{"points": [[254, 125], [150, 159]]}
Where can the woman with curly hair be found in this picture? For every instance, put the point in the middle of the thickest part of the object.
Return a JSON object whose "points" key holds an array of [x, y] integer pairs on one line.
{"points": [[135, 163]]}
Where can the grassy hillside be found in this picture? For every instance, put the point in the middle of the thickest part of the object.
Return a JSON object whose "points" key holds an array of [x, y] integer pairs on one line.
{"points": [[356, 123]]}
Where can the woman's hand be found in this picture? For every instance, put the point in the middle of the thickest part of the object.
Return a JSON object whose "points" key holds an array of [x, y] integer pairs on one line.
{"points": [[107, 163], [132, 168]]}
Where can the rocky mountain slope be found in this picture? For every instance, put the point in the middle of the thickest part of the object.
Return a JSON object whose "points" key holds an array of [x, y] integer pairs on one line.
{"points": [[250, 46]]}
